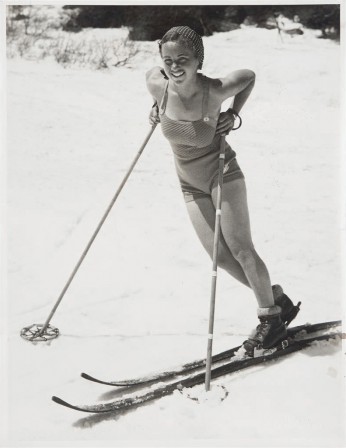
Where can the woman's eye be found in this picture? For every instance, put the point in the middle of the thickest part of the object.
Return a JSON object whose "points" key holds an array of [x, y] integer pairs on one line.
{"points": [[180, 61]]}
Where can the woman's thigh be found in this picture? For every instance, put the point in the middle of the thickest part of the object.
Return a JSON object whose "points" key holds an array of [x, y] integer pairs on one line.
{"points": [[202, 215], [235, 220]]}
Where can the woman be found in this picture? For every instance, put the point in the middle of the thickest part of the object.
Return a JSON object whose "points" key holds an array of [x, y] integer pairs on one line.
{"points": [[187, 104]]}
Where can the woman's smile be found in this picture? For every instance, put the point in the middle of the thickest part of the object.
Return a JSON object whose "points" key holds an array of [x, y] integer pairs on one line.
{"points": [[177, 74]]}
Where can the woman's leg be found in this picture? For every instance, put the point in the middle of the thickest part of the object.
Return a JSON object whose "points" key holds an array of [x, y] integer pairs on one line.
{"points": [[202, 214], [235, 225]]}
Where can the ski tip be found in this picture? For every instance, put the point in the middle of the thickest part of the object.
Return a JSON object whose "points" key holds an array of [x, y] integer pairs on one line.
{"points": [[87, 377], [60, 401], [67, 405], [95, 380], [128, 383]]}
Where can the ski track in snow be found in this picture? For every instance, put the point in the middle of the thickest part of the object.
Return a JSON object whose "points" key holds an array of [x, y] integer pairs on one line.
{"points": [[140, 301]]}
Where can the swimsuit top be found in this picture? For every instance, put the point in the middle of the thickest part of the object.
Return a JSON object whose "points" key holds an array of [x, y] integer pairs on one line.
{"points": [[189, 139]]}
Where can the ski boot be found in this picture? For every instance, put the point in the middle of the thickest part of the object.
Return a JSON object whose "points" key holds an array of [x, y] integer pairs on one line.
{"points": [[289, 311], [269, 332]]}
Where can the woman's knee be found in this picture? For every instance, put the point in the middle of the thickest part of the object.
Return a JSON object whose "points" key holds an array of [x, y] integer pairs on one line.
{"points": [[245, 255], [225, 259]]}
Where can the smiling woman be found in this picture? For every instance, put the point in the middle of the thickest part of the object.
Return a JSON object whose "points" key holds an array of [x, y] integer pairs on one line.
{"points": [[188, 38], [179, 60], [188, 105]]}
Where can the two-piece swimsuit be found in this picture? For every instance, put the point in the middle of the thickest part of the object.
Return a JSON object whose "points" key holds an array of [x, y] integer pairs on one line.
{"points": [[196, 149]]}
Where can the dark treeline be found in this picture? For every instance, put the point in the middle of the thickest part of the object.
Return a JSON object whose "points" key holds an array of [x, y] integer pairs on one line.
{"points": [[150, 22]]}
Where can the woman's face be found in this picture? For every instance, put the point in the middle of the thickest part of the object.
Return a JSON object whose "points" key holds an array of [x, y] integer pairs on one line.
{"points": [[179, 61]]}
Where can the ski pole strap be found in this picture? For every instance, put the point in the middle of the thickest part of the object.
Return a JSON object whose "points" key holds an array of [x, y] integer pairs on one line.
{"points": [[234, 112]]}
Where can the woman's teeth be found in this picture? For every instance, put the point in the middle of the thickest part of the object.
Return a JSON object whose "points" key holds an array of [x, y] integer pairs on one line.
{"points": [[178, 74]]}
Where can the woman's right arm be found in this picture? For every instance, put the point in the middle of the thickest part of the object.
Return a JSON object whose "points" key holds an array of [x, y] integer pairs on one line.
{"points": [[154, 79]]}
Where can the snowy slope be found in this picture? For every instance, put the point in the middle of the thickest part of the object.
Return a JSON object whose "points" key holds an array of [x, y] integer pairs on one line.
{"points": [[140, 301]]}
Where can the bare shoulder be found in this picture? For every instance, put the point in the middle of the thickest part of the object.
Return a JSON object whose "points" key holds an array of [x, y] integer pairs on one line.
{"points": [[155, 81], [231, 84]]}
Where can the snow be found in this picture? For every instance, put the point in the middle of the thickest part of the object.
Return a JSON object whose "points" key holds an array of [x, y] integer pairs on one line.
{"points": [[140, 301]]}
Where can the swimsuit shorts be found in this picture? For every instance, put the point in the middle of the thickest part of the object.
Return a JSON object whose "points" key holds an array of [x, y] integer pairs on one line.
{"points": [[232, 171]]}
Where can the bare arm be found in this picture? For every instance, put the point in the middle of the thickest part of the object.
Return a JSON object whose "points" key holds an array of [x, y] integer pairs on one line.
{"points": [[154, 80], [238, 84]]}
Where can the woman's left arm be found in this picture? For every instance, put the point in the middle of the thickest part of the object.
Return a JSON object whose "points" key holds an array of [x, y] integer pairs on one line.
{"points": [[238, 84]]}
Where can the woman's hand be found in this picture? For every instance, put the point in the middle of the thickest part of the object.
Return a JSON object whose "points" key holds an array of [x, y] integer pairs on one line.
{"points": [[225, 122], [154, 117]]}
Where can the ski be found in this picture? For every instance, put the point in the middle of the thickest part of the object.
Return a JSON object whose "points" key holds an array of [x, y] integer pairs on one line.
{"points": [[282, 349], [200, 363]]}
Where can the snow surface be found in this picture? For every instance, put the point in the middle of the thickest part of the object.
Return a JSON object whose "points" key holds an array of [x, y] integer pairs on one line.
{"points": [[140, 302]]}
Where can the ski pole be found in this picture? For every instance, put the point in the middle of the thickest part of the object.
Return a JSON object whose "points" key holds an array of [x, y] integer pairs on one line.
{"points": [[37, 331], [217, 229]]}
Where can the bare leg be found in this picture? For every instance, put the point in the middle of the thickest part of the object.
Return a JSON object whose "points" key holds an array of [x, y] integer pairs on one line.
{"points": [[202, 215], [235, 225]]}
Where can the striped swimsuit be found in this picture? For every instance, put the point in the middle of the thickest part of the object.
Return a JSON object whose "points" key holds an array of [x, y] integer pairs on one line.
{"points": [[196, 150]]}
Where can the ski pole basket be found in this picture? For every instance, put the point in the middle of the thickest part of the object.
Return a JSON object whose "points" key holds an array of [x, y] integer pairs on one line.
{"points": [[34, 333]]}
